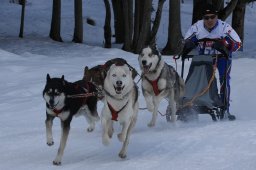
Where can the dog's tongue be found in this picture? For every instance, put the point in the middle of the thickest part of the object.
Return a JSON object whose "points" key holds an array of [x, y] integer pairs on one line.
{"points": [[146, 69], [119, 88]]}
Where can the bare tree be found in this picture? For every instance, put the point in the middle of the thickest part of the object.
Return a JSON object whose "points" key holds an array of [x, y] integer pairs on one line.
{"points": [[238, 18], [156, 21], [107, 26], [78, 31], [173, 45], [118, 20], [55, 23], [224, 13], [145, 28], [23, 3], [137, 21], [198, 6], [128, 24]]}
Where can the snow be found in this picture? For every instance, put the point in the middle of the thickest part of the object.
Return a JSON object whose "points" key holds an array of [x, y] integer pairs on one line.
{"points": [[25, 62]]}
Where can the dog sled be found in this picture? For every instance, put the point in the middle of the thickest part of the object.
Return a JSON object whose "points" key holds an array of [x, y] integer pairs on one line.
{"points": [[201, 90]]}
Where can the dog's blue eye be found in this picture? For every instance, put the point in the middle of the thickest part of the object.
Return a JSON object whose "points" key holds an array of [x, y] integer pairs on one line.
{"points": [[124, 75], [114, 75]]}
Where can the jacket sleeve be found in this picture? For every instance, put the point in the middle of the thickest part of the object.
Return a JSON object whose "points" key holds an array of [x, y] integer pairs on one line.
{"points": [[191, 33], [231, 39]]}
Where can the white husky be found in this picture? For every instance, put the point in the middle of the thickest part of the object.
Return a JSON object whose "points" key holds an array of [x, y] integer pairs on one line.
{"points": [[120, 104], [159, 80]]}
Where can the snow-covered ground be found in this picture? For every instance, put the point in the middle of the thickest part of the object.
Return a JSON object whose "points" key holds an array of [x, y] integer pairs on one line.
{"points": [[24, 64]]}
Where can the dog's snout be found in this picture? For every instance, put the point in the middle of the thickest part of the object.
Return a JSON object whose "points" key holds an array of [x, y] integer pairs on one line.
{"points": [[51, 102], [144, 62], [119, 83]]}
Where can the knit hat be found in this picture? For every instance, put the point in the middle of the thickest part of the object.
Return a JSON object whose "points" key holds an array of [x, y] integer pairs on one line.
{"points": [[210, 9]]}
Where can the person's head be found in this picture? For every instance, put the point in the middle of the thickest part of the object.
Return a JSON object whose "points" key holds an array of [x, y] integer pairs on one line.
{"points": [[210, 16]]}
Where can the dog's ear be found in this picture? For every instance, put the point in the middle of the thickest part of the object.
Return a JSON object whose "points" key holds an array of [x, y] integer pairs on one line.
{"points": [[86, 69], [48, 78], [63, 80]]}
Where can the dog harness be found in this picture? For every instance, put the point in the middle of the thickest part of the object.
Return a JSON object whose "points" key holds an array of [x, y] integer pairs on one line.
{"points": [[114, 113], [154, 84], [57, 112]]}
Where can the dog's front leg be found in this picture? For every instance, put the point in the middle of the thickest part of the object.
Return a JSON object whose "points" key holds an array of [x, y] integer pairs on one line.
{"points": [[121, 136], [172, 106], [105, 128], [156, 101], [64, 136], [122, 153], [148, 99], [48, 125]]}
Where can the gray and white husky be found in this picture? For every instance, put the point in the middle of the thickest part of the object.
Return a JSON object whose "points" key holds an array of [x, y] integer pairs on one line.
{"points": [[159, 81], [59, 103], [120, 104]]}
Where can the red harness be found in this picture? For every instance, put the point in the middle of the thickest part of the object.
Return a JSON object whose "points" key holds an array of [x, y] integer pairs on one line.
{"points": [[57, 112], [114, 113], [154, 84]]}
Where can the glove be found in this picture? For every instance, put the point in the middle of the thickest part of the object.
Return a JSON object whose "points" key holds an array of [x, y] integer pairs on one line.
{"points": [[189, 45], [219, 46]]}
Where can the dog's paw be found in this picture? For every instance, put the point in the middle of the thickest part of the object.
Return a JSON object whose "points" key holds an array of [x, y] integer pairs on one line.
{"points": [[50, 143], [105, 140], [121, 137], [56, 162], [173, 119], [110, 132], [151, 124], [90, 129], [122, 155]]}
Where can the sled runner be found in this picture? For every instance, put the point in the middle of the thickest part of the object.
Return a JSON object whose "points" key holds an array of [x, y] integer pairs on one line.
{"points": [[201, 90]]}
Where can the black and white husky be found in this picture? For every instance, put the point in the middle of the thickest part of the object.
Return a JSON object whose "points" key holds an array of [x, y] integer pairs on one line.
{"points": [[159, 81], [120, 104], [63, 101]]}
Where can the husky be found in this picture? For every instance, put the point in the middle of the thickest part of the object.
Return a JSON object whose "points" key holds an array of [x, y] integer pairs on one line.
{"points": [[63, 101], [159, 81], [120, 104], [97, 74]]}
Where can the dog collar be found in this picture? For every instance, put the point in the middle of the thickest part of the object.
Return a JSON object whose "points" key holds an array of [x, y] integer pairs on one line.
{"points": [[114, 113], [57, 112]]}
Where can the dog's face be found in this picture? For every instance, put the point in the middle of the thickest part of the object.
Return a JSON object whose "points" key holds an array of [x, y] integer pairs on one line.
{"points": [[53, 92], [148, 59], [118, 79]]}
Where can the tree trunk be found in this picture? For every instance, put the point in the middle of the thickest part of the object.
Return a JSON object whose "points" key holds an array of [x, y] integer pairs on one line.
{"points": [[107, 26], [238, 19], [137, 22], [144, 34], [198, 6], [156, 21], [78, 31], [23, 3], [223, 14], [118, 20], [55, 23], [173, 45], [128, 24]]}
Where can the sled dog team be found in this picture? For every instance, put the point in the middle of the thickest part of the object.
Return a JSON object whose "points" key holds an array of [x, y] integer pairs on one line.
{"points": [[113, 84]]}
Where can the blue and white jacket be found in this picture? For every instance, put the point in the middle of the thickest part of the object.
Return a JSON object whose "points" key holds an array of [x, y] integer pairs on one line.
{"points": [[221, 30]]}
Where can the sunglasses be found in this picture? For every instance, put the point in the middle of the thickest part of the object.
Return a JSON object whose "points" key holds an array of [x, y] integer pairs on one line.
{"points": [[209, 17]]}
